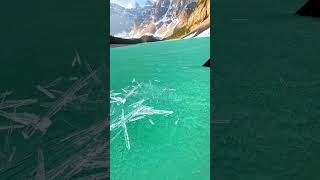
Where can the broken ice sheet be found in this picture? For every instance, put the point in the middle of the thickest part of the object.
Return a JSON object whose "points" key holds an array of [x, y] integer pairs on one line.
{"points": [[17, 103], [53, 83], [76, 59], [79, 150], [4, 95], [11, 127], [134, 104], [45, 91], [91, 153], [40, 171]]}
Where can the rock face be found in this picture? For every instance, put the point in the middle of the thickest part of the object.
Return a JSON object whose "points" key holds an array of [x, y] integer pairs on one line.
{"points": [[162, 17], [311, 8]]}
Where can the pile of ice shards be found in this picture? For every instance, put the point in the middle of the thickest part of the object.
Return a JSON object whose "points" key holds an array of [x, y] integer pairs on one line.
{"points": [[44, 137], [131, 104]]}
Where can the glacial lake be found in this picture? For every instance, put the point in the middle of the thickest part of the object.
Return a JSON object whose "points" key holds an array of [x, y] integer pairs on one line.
{"points": [[166, 83]]}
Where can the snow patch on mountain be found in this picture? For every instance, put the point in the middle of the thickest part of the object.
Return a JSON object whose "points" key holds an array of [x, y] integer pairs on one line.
{"points": [[205, 33], [190, 35]]}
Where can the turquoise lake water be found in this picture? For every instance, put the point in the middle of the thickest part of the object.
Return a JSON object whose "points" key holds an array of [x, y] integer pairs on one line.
{"points": [[164, 76]]}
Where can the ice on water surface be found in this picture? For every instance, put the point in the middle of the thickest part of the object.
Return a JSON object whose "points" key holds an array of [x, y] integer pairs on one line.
{"points": [[173, 143], [134, 103], [44, 136]]}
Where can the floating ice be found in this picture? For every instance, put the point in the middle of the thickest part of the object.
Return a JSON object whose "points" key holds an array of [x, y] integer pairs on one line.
{"points": [[56, 91], [76, 59], [137, 110], [4, 95], [11, 127], [132, 92], [46, 92], [151, 122], [176, 122], [67, 97], [94, 77], [137, 104], [83, 149], [168, 90], [12, 154], [91, 155], [17, 103], [53, 83], [40, 171], [118, 100], [124, 90], [29, 120], [73, 78]]}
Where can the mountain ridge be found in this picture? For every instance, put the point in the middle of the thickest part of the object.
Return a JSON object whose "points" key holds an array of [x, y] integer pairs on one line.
{"points": [[164, 19]]}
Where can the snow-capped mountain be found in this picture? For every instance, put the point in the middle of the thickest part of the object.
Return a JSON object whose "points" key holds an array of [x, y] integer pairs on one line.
{"points": [[161, 18], [128, 4], [122, 19]]}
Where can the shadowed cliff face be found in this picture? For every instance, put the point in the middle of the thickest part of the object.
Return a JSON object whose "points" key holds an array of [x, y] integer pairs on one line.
{"points": [[311, 8]]}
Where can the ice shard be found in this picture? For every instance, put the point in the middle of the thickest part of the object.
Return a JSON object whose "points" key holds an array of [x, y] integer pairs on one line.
{"points": [[76, 59], [17, 103], [136, 111], [40, 172], [53, 83], [45, 91]]}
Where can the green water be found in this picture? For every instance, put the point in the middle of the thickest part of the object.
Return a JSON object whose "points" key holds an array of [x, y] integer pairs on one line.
{"points": [[266, 83], [176, 146]]}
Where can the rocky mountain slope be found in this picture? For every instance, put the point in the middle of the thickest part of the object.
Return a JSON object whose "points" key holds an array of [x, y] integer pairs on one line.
{"points": [[198, 21], [162, 17]]}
